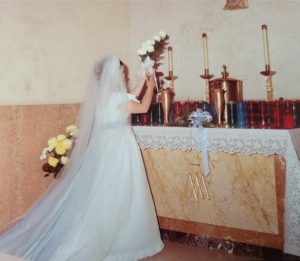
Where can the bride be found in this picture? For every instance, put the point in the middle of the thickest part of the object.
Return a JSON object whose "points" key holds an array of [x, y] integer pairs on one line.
{"points": [[101, 208]]}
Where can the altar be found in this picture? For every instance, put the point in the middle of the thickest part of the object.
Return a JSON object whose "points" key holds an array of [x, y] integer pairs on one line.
{"points": [[251, 193]]}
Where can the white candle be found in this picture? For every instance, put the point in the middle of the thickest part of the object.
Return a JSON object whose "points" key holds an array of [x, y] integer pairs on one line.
{"points": [[205, 51], [266, 44], [170, 59]]}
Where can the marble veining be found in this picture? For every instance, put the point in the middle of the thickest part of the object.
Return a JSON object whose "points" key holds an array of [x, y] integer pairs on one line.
{"points": [[239, 195]]}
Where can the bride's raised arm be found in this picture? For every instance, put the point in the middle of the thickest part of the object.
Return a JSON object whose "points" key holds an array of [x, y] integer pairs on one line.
{"points": [[143, 106], [137, 90]]}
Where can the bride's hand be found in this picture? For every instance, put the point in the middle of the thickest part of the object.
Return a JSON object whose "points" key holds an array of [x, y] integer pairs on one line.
{"points": [[150, 81]]}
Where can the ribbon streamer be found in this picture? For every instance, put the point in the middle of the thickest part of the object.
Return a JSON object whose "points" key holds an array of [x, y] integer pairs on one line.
{"points": [[147, 69], [197, 118]]}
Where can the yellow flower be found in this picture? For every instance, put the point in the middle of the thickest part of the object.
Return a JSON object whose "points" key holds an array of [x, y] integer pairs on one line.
{"points": [[64, 160], [67, 143], [72, 129], [59, 149], [53, 161], [60, 137], [52, 142]]}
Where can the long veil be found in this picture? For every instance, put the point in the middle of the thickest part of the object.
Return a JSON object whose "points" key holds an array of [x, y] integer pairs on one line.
{"points": [[40, 233]]}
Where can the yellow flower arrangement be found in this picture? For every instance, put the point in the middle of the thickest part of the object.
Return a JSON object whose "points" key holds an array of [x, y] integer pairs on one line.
{"points": [[56, 152]]}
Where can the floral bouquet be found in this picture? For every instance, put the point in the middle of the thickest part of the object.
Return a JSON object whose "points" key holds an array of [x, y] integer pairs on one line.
{"points": [[57, 151], [151, 52]]}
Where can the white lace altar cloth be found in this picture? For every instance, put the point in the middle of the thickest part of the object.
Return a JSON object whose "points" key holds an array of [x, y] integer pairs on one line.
{"points": [[248, 141]]}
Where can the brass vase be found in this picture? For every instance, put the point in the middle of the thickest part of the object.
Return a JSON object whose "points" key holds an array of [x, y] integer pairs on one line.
{"points": [[219, 103], [166, 104]]}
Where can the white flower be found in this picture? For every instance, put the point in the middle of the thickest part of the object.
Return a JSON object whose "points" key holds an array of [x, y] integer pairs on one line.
{"points": [[71, 129], [162, 34], [156, 38], [67, 143], [141, 51], [50, 148], [43, 156], [145, 45], [45, 150], [150, 48], [60, 137], [64, 160], [150, 42]]}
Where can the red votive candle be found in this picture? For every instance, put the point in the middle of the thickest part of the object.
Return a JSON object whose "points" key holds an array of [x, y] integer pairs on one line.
{"points": [[144, 118], [186, 108], [277, 115], [288, 118], [176, 109], [250, 114], [262, 114]]}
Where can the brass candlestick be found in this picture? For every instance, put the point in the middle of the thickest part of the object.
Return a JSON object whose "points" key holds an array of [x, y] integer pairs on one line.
{"points": [[269, 85], [167, 95], [206, 76], [171, 80]]}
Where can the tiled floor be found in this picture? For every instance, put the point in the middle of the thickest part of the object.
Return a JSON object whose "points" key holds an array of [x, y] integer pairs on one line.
{"points": [[180, 252]]}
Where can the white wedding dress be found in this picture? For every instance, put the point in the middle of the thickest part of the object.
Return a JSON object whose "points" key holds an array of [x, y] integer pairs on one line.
{"points": [[103, 210]]}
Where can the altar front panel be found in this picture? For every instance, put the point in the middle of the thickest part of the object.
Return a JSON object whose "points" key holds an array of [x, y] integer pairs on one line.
{"points": [[242, 193]]}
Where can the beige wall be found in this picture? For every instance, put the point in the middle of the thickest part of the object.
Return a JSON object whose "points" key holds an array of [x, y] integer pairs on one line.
{"points": [[47, 47], [234, 39]]}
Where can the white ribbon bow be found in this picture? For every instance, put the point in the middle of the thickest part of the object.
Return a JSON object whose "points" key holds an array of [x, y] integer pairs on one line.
{"points": [[197, 118], [147, 67]]}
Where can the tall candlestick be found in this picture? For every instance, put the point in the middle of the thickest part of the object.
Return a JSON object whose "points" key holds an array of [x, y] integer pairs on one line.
{"points": [[266, 45], [205, 51], [170, 59]]}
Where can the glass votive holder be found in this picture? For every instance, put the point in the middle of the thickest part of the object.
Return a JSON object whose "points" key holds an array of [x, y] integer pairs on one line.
{"points": [[241, 114], [288, 118], [186, 108], [151, 115], [231, 114], [144, 119], [136, 119], [296, 113], [206, 106], [250, 114], [176, 109], [261, 115], [197, 105], [158, 116], [268, 119], [277, 114]]}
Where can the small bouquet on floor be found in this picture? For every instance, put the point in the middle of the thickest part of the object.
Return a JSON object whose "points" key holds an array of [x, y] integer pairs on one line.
{"points": [[151, 52], [56, 154]]}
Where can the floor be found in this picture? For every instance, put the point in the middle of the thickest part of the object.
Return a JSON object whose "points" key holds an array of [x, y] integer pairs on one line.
{"points": [[174, 251], [180, 252]]}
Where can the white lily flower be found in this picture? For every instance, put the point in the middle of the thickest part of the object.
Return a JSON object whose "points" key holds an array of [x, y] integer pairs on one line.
{"points": [[142, 51], [150, 48], [156, 38], [162, 34], [150, 42]]}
